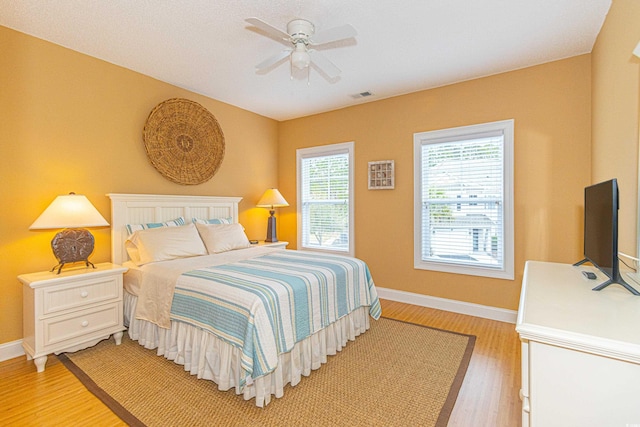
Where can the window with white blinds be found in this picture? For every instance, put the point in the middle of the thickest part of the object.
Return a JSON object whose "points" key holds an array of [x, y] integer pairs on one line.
{"points": [[464, 200], [325, 198]]}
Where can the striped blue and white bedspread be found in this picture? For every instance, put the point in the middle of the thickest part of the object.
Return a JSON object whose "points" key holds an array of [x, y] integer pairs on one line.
{"points": [[264, 305]]}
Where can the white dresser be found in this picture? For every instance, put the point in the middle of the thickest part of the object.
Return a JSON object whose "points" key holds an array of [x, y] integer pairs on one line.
{"points": [[580, 349], [71, 310]]}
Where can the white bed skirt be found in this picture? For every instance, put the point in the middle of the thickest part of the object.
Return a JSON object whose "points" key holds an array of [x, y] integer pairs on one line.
{"points": [[208, 357]]}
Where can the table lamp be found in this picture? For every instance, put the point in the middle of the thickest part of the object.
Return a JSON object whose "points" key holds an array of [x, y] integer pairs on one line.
{"points": [[71, 212], [272, 199]]}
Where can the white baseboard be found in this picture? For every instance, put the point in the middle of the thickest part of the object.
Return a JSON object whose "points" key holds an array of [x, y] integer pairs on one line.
{"points": [[14, 349], [10, 350], [477, 310]]}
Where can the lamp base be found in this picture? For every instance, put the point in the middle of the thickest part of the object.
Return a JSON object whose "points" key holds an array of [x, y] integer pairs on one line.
{"points": [[72, 245], [271, 228]]}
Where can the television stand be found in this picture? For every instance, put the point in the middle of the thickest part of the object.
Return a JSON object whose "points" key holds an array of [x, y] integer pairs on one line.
{"points": [[618, 280]]}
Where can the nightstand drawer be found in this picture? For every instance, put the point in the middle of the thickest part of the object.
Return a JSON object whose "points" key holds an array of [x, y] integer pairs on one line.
{"points": [[67, 327], [59, 298]]}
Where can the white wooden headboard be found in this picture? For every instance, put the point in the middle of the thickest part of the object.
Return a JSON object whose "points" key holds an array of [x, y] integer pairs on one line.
{"points": [[145, 208]]}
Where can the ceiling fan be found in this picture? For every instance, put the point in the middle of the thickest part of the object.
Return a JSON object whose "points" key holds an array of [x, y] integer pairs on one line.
{"points": [[299, 37]]}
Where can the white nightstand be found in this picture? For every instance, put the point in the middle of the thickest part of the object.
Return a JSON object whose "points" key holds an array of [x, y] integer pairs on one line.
{"points": [[278, 244], [71, 310]]}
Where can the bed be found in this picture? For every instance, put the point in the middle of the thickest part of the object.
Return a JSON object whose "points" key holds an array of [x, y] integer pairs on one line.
{"points": [[252, 319]]}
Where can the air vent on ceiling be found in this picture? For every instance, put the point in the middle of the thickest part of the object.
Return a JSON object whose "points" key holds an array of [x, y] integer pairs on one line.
{"points": [[361, 95]]}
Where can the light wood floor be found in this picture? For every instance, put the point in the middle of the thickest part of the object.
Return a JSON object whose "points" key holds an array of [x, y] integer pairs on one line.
{"points": [[488, 398]]}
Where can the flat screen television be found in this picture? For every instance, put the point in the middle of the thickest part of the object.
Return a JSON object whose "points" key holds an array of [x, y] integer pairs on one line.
{"points": [[601, 203]]}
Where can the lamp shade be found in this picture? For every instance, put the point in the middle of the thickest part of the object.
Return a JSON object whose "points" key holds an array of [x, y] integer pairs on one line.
{"points": [[272, 199], [69, 211]]}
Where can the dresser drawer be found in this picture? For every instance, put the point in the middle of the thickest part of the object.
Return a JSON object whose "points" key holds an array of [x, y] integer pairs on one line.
{"points": [[80, 294], [68, 327]]}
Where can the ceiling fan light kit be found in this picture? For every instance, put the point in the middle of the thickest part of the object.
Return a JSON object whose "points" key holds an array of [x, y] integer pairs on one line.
{"points": [[299, 36], [300, 57]]}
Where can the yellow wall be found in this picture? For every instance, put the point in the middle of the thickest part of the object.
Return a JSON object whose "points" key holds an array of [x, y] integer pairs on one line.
{"points": [[615, 92], [69, 122], [551, 105]]}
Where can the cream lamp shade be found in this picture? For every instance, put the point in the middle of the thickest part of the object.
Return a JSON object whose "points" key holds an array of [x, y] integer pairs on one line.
{"points": [[272, 199], [71, 212]]}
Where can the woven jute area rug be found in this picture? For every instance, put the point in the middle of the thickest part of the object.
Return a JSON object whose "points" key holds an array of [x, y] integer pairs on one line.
{"points": [[396, 374]]}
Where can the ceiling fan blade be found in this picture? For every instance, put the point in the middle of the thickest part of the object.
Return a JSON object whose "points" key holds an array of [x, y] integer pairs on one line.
{"points": [[274, 59], [326, 66], [334, 34], [269, 29]]}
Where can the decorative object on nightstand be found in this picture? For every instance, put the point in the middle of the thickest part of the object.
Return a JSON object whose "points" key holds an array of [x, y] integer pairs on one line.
{"points": [[70, 311], [272, 199], [75, 243], [382, 175]]}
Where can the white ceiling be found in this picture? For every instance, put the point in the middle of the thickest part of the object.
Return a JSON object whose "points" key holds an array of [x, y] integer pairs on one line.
{"points": [[402, 46]]}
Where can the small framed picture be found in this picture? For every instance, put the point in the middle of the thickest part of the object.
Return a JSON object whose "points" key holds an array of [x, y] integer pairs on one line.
{"points": [[381, 175]]}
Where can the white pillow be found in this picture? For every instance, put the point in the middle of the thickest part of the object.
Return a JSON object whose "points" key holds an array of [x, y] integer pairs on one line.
{"points": [[223, 237], [132, 250], [165, 243]]}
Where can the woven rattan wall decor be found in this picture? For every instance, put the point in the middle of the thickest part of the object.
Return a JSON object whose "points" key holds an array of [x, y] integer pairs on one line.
{"points": [[184, 141]]}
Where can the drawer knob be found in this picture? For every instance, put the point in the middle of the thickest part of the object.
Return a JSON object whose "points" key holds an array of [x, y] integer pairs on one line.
{"points": [[84, 323], [84, 294]]}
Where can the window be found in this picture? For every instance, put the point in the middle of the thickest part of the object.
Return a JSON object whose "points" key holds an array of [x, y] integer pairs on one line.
{"points": [[325, 198], [463, 197]]}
